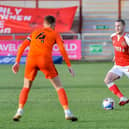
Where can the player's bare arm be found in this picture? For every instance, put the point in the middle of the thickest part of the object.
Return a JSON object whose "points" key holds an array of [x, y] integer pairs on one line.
{"points": [[64, 54], [15, 67]]}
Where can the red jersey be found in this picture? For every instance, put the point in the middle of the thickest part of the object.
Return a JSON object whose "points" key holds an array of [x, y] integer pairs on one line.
{"points": [[121, 49]]}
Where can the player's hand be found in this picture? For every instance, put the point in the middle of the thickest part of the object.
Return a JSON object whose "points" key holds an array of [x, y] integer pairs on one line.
{"points": [[15, 68], [113, 60], [71, 71]]}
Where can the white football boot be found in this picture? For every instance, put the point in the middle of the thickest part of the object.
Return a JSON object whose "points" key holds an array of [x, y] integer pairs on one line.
{"points": [[18, 114], [70, 116]]}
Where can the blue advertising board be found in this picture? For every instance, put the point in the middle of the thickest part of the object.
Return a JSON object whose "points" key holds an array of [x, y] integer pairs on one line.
{"points": [[11, 59]]}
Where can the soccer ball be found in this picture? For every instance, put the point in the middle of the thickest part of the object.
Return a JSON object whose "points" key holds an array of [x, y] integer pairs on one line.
{"points": [[108, 104]]}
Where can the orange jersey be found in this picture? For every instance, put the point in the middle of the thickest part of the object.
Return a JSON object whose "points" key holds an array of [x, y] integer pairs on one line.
{"points": [[41, 44]]}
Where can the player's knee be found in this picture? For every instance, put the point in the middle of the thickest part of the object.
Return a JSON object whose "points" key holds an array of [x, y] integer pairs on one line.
{"points": [[27, 83], [107, 81], [58, 87], [27, 86]]}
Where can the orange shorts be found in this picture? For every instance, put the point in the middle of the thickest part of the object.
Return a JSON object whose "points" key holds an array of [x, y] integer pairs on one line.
{"points": [[33, 65]]}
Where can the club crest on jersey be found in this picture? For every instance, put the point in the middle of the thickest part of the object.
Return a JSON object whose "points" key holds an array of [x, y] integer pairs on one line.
{"points": [[123, 44]]}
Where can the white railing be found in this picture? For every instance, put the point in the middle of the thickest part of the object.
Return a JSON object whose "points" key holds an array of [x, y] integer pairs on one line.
{"points": [[64, 35]]}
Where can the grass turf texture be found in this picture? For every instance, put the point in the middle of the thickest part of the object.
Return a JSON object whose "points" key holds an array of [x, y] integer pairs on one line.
{"points": [[43, 111]]}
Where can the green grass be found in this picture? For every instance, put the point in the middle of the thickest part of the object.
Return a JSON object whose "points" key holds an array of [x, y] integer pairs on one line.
{"points": [[43, 111]]}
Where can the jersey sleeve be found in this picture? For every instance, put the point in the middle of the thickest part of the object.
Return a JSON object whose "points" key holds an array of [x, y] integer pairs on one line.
{"points": [[112, 35], [21, 49], [127, 38], [60, 44], [29, 37]]}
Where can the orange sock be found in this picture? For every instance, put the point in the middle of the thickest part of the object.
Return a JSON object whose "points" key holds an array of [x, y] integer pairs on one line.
{"points": [[23, 97], [63, 98]]}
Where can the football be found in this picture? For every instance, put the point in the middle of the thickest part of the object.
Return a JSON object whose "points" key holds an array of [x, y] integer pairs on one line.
{"points": [[108, 104]]}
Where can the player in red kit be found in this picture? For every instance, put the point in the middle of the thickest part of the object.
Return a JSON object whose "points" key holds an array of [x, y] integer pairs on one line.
{"points": [[120, 41], [39, 58]]}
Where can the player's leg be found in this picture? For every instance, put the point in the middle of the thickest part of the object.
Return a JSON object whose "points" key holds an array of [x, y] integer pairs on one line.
{"points": [[111, 76], [23, 98], [24, 92], [51, 73], [62, 98], [109, 81], [126, 73], [30, 74]]}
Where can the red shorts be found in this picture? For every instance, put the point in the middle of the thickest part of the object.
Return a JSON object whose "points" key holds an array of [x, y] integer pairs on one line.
{"points": [[33, 65]]}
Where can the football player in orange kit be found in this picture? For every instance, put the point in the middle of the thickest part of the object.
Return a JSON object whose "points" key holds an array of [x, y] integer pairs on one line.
{"points": [[39, 58]]}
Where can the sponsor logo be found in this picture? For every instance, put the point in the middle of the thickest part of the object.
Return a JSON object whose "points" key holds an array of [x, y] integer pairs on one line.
{"points": [[68, 47], [96, 48]]}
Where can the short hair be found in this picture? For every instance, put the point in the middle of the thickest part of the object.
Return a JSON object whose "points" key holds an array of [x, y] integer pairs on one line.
{"points": [[122, 21], [50, 19]]}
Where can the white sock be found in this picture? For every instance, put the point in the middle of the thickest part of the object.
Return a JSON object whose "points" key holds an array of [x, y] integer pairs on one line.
{"points": [[68, 112], [20, 111]]}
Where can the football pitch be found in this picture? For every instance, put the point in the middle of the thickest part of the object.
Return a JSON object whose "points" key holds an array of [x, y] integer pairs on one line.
{"points": [[85, 92]]}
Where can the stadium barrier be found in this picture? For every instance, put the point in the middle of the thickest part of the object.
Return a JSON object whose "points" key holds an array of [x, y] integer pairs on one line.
{"points": [[11, 59], [8, 48], [97, 47], [94, 46], [22, 36]]}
